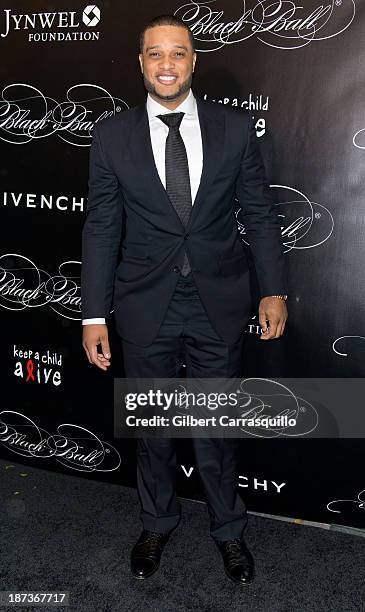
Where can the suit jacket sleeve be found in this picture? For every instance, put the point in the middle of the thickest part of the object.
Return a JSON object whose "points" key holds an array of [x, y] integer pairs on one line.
{"points": [[260, 218], [101, 234]]}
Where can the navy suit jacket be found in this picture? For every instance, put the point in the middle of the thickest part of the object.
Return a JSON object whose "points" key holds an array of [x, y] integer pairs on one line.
{"points": [[133, 239]]}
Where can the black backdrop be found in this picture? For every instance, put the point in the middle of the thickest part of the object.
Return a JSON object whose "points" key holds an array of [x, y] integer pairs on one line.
{"points": [[66, 65]]}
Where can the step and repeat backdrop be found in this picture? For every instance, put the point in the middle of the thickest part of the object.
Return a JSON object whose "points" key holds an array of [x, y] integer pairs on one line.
{"points": [[298, 69]]}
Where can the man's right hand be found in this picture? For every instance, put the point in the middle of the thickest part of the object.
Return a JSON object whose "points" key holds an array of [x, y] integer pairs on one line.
{"points": [[92, 336]]}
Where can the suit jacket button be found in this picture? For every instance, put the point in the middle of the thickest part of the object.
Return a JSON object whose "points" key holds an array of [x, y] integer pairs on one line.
{"points": [[176, 269], [186, 236]]}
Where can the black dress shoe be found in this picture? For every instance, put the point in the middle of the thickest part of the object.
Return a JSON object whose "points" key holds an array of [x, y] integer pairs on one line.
{"points": [[238, 561], [146, 553]]}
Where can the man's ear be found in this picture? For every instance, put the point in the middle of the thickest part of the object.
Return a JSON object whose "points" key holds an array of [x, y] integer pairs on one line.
{"points": [[140, 58], [194, 60]]}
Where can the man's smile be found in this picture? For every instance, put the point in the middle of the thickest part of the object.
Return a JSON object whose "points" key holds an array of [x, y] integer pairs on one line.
{"points": [[166, 79]]}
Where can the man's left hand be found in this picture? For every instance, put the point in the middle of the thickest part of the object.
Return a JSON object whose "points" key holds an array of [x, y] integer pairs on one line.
{"points": [[274, 310]]}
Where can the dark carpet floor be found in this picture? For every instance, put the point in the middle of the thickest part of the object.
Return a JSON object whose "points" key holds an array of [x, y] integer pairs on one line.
{"points": [[61, 532]]}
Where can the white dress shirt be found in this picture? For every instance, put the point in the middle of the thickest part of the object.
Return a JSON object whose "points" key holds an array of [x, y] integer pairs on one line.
{"points": [[191, 135]]}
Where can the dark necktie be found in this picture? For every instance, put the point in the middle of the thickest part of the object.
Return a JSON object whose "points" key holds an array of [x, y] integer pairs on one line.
{"points": [[177, 173]]}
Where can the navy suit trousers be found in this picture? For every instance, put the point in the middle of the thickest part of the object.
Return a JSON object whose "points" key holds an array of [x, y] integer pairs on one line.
{"points": [[186, 333]]}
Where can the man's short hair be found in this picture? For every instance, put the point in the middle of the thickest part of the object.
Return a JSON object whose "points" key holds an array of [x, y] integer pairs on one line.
{"points": [[165, 20]]}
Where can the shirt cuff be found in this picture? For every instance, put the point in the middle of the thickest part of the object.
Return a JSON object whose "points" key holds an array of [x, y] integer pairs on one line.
{"points": [[100, 321]]}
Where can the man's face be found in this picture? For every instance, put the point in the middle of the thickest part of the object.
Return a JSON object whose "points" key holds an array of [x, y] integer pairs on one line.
{"points": [[167, 62]]}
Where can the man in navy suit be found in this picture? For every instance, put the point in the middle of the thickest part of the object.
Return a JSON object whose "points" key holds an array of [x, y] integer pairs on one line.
{"points": [[169, 172]]}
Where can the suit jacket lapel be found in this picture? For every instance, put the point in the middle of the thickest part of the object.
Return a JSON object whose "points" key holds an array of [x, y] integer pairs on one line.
{"points": [[212, 127], [141, 151]]}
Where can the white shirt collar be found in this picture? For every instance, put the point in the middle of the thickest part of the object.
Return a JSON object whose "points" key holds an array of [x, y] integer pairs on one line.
{"points": [[188, 106]]}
